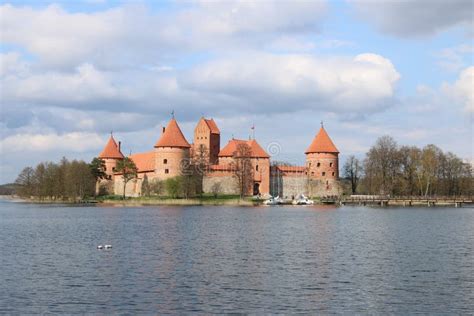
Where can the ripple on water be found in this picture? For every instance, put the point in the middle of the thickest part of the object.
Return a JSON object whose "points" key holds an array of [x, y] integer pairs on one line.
{"points": [[227, 259]]}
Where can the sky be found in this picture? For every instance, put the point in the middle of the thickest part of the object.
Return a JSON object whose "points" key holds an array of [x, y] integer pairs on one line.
{"points": [[71, 72]]}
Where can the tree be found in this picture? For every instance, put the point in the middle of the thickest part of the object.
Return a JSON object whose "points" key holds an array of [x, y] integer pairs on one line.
{"points": [[190, 179], [382, 165], [173, 187], [200, 164], [427, 175], [26, 182], [128, 170], [243, 170], [80, 182], [409, 165], [97, 167], [352, 171], [145, 186], [156, 187], [216, 189]]}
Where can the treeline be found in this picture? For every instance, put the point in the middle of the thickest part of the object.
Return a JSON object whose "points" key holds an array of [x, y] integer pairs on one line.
{"points": [[66, 180], [395, 170]]}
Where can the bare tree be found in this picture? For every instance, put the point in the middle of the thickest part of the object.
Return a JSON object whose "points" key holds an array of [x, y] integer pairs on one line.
{"points": [[26, 181], [352, 171], [216, 189], [243, 170], [382, 165], [200, 165]]}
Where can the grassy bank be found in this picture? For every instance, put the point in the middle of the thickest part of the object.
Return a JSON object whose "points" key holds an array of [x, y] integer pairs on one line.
{"points": [[155, 200]]}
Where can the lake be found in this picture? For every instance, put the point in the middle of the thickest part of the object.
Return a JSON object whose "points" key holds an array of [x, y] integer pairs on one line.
{"points": [[314, 259]]}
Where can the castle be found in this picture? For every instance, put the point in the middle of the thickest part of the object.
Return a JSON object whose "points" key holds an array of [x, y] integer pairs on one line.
{"points": [[319, 176]]}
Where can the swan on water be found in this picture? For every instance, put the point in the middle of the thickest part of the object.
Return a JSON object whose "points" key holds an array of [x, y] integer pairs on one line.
{"points": [[100, 247], [108, 246]]}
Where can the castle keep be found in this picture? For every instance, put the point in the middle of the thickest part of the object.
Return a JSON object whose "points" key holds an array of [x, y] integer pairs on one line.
{"points": [[319, 176]]}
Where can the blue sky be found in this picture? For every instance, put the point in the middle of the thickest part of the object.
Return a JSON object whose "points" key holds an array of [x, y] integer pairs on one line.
{"points": [[72, 71]]}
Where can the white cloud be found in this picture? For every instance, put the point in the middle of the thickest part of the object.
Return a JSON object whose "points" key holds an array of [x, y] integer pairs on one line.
{"points": [[10, 63], [412, 18], [85, 86], [463, 89], [455, 58], [268, 83], [76, 142], [132, 34]]}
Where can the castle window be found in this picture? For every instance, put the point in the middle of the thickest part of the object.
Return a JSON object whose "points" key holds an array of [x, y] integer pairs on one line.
{"points": [[333, 174], [330, 164], [324, 173], [165, 161], [167, 171], [309, 165], [256, 168], [312, 173], [319, 164]]}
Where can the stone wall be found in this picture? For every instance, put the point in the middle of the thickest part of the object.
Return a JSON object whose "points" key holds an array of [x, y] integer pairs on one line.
{"points": [[134, 187], [293, 186], [228, 184], [324, 188]]}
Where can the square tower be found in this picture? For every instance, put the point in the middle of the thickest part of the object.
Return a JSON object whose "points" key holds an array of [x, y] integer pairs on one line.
{"points": [[207, 140]]}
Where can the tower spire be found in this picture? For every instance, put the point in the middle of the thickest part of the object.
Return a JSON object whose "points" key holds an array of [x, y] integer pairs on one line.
{"points": [[322, 124], [172, 114]]}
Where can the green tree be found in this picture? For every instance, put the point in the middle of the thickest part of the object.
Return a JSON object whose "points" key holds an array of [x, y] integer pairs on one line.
{"points": [[145, 186], [156, 187], [173, 187], [97, 167], [128, 169]]}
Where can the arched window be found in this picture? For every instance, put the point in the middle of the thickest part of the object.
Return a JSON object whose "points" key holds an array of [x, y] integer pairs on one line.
{"points": [[167, 171], [165, 161], [330, 164], [319, 164], [256, 168], [324, 173]]}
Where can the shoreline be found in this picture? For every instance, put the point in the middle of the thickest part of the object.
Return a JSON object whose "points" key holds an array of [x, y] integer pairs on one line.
{"points": [[140, 201]]}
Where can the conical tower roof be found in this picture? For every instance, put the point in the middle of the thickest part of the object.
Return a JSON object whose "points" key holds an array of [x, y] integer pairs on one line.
{"points": [[322, 143], [111, 150], [172, 137]]}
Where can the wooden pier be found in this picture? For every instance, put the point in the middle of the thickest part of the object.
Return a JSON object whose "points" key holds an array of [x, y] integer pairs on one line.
{"points": [[406, 201]]}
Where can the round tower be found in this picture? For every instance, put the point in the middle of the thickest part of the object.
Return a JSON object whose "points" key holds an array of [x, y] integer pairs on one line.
{"points": [[322, 158], [171, 152], [111, 155]]}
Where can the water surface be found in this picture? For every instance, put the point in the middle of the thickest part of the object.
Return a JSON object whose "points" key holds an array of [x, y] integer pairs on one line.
{"points": [[236, 259]]}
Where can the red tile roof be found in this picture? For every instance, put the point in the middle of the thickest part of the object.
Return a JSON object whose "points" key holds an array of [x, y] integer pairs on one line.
{"points": [[221, 168], [111, 150], [291, 168], [145, 162], [212, 126], [172, 137], [255, 149], [322, 143]]}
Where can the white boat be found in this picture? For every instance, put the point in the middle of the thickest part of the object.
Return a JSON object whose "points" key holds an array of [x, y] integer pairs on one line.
{"points": [[302, 200], [273, 201]]}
